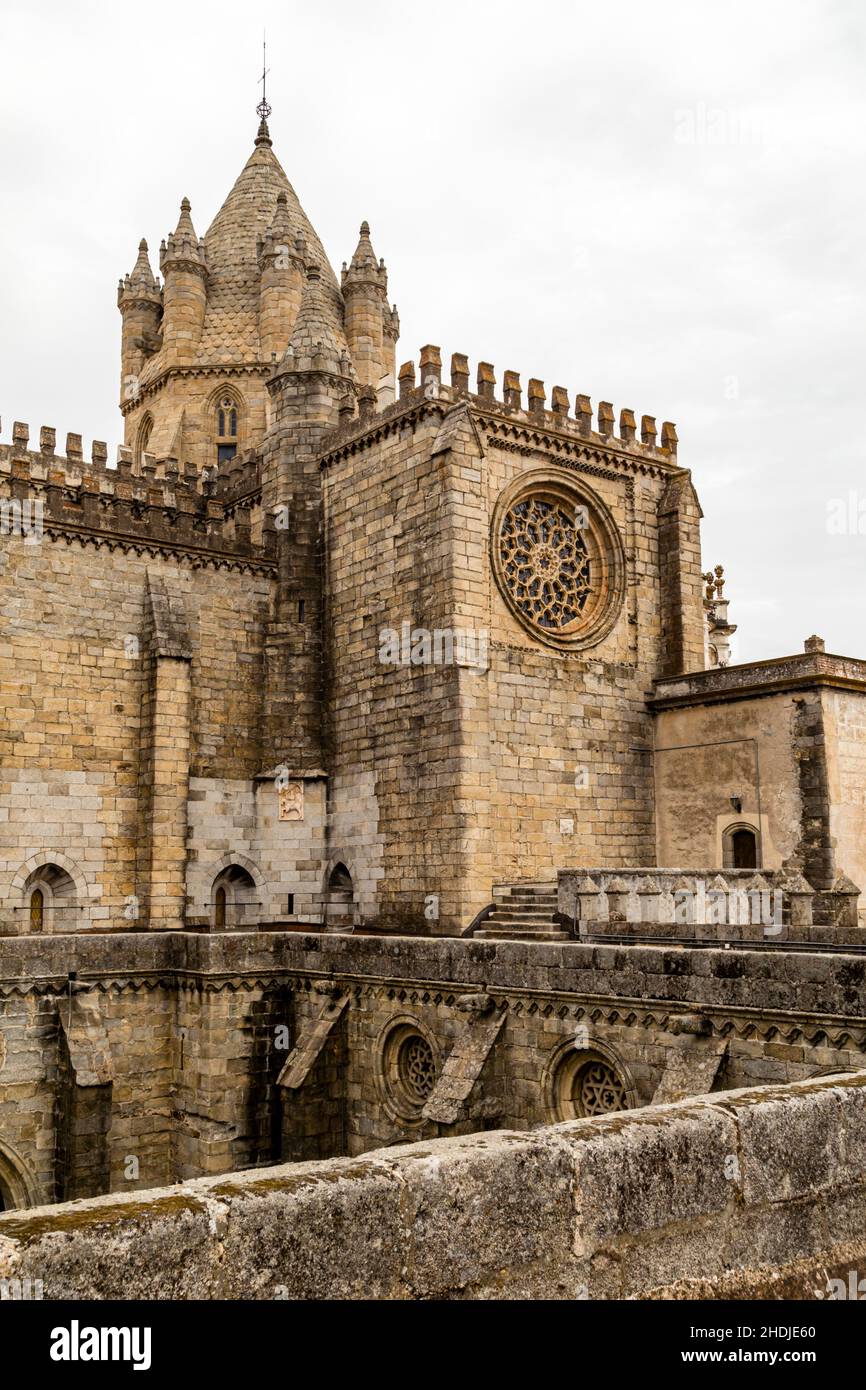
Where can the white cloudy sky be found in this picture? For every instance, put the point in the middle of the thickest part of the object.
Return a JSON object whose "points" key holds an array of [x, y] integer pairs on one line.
{"points": [[658, 204]]}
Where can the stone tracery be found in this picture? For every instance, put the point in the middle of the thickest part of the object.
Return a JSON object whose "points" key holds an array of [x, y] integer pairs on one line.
{"points": [[545, 561]]}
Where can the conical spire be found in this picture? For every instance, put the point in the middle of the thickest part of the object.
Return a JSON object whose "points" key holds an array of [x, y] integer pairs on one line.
{"points": [[183, 241], [141, 283], [282, 240], [141, 271], [280, 225], [317, 341], [364, 254], [364, 267], [184, 226]]}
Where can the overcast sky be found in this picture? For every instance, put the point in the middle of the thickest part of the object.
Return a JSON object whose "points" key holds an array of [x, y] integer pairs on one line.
{"points": [[657, 204]]}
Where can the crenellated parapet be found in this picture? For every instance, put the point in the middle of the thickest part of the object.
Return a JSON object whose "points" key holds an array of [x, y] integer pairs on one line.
{"points": [[559, 414], [764, 906], [601, 428], [212, 517]]}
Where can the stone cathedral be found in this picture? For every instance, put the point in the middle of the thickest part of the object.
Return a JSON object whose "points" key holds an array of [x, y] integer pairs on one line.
{"points": [[372, 763]]}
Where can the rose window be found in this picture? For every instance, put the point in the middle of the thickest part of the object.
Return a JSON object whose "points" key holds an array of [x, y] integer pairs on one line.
{"points": [[598, 1090], [416, 1067], [587, 1084], [407, 1069], [545, 561]]}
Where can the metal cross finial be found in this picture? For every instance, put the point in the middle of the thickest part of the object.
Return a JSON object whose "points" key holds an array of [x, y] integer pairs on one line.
{"points": [[263, 108]]}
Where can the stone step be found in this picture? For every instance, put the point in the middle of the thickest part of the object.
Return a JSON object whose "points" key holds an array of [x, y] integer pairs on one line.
{"points": [[546, 888], [526, 934], [517, 923], [523, 910], [518, 895], [547, 904]]}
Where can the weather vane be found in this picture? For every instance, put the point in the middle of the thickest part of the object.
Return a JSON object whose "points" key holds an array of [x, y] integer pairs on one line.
{"points": [[263, 108]]}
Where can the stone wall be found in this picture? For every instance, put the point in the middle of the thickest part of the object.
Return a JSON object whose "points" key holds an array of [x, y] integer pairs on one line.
{"points": [[756, 1194], [484, 768], [707, 754], [845, 721], [784, 737], [78, 745], [226, 1050]]}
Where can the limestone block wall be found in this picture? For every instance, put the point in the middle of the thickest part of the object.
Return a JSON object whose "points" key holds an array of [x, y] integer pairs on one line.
{"points": [[789, 732], [236, 822], [184, 413], [201, 1029], [78, 820], [71, 706], [533, 755], [704, 755], [569, 731], [624, 1006], [35, 1085], [356, 838], [845, 722], [759, 1195], [393, 729], [228, 1043]]}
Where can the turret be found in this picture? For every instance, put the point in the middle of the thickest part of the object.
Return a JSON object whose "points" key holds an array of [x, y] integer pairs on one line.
{"points": [[139, 299], [184, 269], [309, 387], [372, 327], [282, 262]]}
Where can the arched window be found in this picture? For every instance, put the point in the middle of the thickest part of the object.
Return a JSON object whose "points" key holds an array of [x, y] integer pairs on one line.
{"points": [[219, 911], [37, 910], [740, 847], [17, 1186], [226, 428], [583, 1081], [142, 439], [340, 878]]}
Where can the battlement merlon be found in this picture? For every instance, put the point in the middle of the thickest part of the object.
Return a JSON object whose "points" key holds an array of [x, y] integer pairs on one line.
{"points": [[427, 384], [162, 503]]}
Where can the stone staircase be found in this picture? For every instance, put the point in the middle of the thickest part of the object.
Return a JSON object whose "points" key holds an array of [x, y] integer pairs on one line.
{"points": [[523, 912]]}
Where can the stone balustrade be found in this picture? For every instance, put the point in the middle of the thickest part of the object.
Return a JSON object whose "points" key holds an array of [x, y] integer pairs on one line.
{"points": [[733, 905]]}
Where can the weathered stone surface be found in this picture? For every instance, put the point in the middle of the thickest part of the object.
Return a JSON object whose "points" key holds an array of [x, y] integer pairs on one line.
{"points": [[652, 1204]]}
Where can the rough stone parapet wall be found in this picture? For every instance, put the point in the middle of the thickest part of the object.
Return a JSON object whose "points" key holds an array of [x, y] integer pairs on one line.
{"points": [[192, 1024], [154, 506], [757, 677], [754, 1194], [357, 432]]}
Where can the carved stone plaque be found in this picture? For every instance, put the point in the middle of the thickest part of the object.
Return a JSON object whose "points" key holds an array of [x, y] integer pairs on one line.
{"points": [[292, 801]]}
